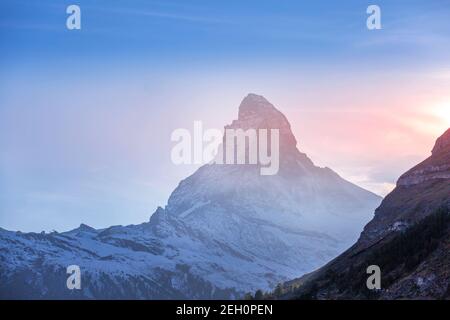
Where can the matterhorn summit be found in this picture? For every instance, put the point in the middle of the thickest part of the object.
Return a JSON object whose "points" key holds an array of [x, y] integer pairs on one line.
{"points": [[226, 230]]}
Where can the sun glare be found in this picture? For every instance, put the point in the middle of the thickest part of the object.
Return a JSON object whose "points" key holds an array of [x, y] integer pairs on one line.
{"points": [[442, 111]]}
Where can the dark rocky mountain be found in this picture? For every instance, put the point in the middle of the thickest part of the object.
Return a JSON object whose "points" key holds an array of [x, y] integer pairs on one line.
{"points": [[408, 238]]}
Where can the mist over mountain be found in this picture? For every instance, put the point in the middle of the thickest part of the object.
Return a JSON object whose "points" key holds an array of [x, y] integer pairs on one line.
{"points": [[225, 230], [408, 238]]}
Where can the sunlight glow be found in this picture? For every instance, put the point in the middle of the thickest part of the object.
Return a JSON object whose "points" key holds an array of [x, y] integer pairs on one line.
{"points": [[442, 111]]}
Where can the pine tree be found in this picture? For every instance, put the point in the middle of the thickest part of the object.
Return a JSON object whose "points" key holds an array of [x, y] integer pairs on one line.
{"points": [[259, 295]]}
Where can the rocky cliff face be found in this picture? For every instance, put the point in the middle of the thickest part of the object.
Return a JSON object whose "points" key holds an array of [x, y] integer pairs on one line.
{"points": [[435, 167], [226, 230], [408, 238], [255, 112], [442, 144], [419, 191]]}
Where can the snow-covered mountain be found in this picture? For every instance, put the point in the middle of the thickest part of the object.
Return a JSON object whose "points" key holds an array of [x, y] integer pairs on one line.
{"points": [[226, 230]]}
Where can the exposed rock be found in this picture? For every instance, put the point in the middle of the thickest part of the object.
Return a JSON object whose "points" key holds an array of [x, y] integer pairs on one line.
{"points": [[409, 238]]}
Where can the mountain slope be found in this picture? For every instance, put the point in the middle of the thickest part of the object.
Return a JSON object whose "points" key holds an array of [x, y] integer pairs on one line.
{"points": [[409, 239], [226, 230]]}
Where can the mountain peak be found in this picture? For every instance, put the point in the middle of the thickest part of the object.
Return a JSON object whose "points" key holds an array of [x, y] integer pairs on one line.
{"points": [[442, 143], [85, 228], [256, 112], [256, 106]]}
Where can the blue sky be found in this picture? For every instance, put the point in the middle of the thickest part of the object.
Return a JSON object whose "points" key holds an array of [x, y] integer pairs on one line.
{"points": [[86, 115], [182, 32]]}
